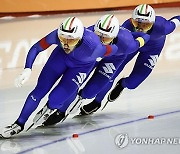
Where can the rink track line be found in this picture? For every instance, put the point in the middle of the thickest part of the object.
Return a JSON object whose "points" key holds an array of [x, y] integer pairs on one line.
{"points": [[95, 130]]}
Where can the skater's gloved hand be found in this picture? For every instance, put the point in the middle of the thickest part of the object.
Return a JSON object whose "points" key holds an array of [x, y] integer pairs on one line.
{"points": [[23, 77], [176, 20], [141, 37]]}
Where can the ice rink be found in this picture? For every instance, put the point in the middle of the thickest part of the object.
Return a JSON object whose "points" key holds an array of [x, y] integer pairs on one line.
{"points": [[122, 127], [158, 96]]}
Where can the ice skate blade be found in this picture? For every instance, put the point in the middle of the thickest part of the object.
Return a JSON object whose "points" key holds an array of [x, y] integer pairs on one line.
{"points": [[82, 116], [44, 127], [79, 116], [2, 137], [30, 127]]}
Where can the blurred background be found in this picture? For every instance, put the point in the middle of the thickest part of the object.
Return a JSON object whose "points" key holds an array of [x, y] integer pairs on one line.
{"points": [[22, 23]]}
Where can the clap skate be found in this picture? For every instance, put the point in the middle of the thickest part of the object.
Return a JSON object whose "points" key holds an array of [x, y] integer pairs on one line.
{"points": [[11, 130], [42, 116], [90, 108], [73, 108], [115, 93], [53, 119]]}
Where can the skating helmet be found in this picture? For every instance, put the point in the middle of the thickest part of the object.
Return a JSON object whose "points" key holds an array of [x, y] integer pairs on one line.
{"points": [[70, 32], [143, 17], [107, 27]]}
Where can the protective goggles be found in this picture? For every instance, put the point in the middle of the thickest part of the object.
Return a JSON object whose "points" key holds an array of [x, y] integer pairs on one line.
{"points": [[71, 42], [105, 39], [142, 25]]}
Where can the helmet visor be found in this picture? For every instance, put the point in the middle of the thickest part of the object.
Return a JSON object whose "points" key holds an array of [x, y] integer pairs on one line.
{"points": [[68, 44], [104, 38], [69, 41], [142, 25]]}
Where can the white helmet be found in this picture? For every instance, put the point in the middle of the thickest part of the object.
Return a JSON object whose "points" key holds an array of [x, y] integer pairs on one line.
{"points": [[72, 28], [108, 25], [144, 12]]}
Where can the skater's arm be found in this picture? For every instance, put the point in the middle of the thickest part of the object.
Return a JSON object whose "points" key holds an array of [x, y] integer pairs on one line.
{"points": [[40, 46]]}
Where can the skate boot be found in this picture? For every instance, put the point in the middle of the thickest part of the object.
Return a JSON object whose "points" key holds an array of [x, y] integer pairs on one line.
{"points": [[116, 92], [90, 108], [54, 118], [11, 130], [43, 115]]}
